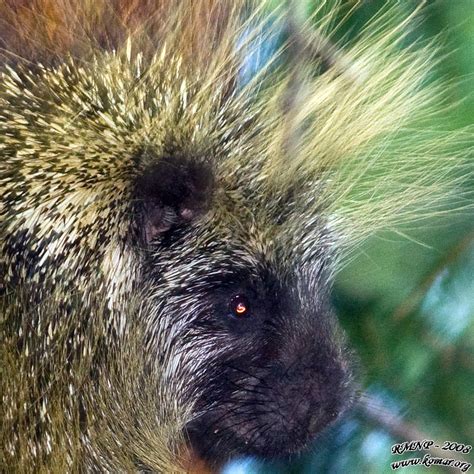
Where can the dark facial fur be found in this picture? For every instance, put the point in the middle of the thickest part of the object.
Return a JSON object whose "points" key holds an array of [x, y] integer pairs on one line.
{"points": [[279, 381]]}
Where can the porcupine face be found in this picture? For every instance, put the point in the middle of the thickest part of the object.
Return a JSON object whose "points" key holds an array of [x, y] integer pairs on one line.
{"points": [[277, 378], [255, 331]]}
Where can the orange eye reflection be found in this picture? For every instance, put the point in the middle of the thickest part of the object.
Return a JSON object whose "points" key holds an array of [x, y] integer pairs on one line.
{"points": [[239, 306]]}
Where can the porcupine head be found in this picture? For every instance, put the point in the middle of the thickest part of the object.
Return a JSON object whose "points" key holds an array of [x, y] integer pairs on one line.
{"points": [[169, 232]]}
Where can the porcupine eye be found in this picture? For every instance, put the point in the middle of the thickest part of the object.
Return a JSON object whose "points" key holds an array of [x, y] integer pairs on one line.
{"points": [[239, 307]]}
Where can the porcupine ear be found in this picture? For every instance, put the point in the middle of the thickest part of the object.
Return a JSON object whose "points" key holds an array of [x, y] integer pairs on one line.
{"points": [[173, 191]]}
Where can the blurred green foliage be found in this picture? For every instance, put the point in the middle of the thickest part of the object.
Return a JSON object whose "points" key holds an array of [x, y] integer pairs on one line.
{"points": [[407, 304]]}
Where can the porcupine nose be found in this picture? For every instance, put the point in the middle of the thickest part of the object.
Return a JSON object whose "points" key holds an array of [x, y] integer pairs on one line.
{"points": [[309, 394], [311, 378]]}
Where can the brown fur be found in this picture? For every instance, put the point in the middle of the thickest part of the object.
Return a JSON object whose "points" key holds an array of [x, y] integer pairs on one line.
{"points": [[47, 30]]}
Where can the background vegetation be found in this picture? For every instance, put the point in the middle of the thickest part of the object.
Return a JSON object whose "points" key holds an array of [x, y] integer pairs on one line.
{"points": [[407, 304]]}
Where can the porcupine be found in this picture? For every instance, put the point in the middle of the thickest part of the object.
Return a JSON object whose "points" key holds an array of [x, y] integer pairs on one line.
{"points": [[168, 246]]}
